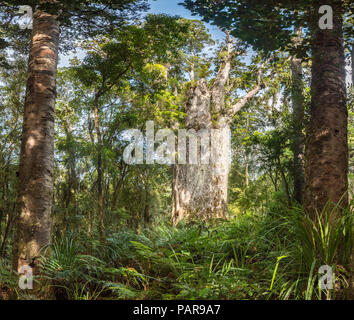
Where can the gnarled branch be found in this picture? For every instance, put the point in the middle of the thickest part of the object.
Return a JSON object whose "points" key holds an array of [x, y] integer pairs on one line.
{"points": [[259, 86]]}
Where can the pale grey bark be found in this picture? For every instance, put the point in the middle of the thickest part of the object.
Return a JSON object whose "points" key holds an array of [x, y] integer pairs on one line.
{"points": [[200, 190]]}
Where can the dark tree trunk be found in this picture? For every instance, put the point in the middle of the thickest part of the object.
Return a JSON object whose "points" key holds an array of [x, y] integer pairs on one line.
{"points": [[326, 168], [37, 149]]}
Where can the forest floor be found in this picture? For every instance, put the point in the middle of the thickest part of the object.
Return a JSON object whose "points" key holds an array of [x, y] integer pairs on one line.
{"points": [[252, 256]]}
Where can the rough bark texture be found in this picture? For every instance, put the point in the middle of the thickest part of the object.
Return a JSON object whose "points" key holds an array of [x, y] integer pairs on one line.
{"points": [[200, 190], [36, 161], [326, 168], [298, 122]]}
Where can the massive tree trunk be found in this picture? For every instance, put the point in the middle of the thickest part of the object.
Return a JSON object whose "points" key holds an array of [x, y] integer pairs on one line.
{"points": [[326, 168], [37, 149], [298, 123], [200, 189], [200, 186]]}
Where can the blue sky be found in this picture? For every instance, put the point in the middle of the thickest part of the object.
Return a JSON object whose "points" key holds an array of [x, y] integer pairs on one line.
{"points": [[171, 7]]}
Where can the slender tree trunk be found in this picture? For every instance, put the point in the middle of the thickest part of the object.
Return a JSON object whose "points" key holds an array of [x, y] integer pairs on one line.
{"points": [[298, 123], [71, 170], [352, 54], [99, 173], [247, 170], [37, 149], [247, 156], [286, 185], [115, 195], [274, 180], [146, 213], [326, 170], [69, 193], [9, 225], [118, 186]]}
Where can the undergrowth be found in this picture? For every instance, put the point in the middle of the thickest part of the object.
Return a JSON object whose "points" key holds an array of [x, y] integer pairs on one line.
{"points": [[272, 256]]}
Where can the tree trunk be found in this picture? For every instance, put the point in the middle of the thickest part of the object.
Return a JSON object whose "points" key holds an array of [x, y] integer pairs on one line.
{"points": [[99, 174], [247, 155], [326, 170], [35, 193], [247, 170], [200, 187], [298, 123], [200, 190], [286, 184], [352, 54]]}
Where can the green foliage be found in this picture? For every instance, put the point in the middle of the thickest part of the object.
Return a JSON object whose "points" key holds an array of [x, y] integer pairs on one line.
{"points": [[78, 19], [328, 238], [138, 71], [266, 25], [255, 256]]}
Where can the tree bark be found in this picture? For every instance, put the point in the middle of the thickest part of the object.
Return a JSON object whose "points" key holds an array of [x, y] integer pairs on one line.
{"points": [[100, 213], [200, 189], [35, 193], [326, 168], [298, 123]]}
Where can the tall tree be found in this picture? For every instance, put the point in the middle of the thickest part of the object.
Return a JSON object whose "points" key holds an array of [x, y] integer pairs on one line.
{"points": [[37, 149], [200, 189], [326, 167]]}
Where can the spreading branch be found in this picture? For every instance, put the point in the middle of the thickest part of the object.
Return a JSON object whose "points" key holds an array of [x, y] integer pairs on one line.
{"points": [[218, 89], [249, 95]]}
